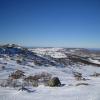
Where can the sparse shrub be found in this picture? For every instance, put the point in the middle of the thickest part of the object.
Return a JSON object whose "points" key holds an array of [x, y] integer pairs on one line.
{"points": [[37, 79], [32, 80], [18, 61], [96, 74], [36, 62], [3, 67], [3, 83], [16, 75], [78, 76], [10, 83], [35, 83], [45, 76]]}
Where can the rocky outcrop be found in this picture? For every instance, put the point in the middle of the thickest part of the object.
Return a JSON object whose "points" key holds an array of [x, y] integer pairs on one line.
{"points": [[53, 82]]}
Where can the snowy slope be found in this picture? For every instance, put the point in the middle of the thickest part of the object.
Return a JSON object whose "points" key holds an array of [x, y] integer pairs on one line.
{"points": [[35, 62], [94, 61], [53, 52], [67, 92]]}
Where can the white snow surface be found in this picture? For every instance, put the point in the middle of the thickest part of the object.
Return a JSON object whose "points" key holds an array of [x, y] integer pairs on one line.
{"points": [[53, 52], [94, 61], [67, 92]]}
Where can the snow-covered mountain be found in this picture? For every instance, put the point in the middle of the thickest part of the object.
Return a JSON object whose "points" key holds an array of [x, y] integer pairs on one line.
{"points": [[49, 56], [69, 55], [28, 74]]}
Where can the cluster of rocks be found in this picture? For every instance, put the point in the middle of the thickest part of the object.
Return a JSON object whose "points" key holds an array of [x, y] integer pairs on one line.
{"points": [[19, 79], [43, 78]]}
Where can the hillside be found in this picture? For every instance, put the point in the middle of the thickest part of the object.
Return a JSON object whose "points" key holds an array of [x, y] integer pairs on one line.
{"points": [[49, 73]]}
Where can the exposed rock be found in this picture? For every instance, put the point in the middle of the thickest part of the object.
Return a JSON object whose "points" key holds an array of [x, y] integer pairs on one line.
{"points": [[54, 82]]}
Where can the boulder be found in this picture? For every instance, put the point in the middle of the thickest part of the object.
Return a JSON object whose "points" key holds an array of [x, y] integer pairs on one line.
{"points": [[53, 82]]}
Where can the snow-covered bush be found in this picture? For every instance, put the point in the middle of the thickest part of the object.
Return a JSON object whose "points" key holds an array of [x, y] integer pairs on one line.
{"points": [[18, 61], [78, 76], [17, 74], [95, 74], [37, 79], [11, 83], [2, 67]]}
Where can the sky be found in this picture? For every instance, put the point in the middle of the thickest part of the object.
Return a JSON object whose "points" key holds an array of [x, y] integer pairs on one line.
{"points": [[50, 23]]}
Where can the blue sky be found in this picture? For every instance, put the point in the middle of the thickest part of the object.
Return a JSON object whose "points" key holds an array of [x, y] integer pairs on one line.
{"points": [[57, 23]]}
